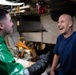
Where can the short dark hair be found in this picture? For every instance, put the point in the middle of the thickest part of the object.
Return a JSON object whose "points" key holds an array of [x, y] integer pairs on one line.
{"points": [[3, 13]]}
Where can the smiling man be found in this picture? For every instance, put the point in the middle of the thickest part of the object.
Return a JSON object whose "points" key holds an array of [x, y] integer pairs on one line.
{"points": [[65, 48]]}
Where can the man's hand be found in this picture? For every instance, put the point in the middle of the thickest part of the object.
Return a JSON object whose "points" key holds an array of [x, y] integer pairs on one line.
{"points": [[52, 72]]}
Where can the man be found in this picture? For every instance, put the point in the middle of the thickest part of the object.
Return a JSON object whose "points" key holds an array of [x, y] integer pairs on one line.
{"points": [[8, 65], [65, 49]]}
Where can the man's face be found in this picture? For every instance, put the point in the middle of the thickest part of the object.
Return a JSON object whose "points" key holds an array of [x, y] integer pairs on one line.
{"points": [[64, 24], [8, 24]]}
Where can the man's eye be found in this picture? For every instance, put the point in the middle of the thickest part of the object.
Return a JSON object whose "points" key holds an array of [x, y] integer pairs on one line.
{"points": [[62, 21]]}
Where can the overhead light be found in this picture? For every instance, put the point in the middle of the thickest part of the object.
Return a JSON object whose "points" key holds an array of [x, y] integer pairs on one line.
{"points": [[4, 2]]}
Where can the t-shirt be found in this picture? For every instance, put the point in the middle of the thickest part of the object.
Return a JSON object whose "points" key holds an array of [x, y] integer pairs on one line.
{"points": [[66, 48]]}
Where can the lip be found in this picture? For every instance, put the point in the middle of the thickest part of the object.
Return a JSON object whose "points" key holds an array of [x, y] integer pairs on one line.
{"points": [[61, 28]]}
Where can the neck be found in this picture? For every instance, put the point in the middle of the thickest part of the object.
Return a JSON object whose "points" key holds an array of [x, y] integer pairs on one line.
{"points": [[2, 34], [69, 34]]}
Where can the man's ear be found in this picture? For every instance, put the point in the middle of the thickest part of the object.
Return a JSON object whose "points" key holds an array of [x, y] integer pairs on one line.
{"points": [[1, 26], [71, 23]]}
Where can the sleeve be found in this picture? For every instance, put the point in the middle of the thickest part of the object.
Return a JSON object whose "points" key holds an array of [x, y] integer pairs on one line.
{"points": [[39, 67], [8, 66], [11, 68]]}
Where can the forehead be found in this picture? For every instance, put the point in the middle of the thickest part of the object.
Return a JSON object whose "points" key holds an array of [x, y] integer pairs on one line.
{"points": [[63, 17]]}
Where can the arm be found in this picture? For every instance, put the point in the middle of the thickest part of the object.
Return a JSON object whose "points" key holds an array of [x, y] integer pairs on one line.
{"points": [[39, 67], [8, 66], [54, 64]]}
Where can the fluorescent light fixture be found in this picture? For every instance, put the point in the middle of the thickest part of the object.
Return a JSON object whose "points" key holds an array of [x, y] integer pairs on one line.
{"points": [[4, 2]]}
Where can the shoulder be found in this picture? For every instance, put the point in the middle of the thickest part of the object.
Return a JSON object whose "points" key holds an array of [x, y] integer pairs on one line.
{"points": [[74, 33], [1, 39], [59, 39], [74, 36]]}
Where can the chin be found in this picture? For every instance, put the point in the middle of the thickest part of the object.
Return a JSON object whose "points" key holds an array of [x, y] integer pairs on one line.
{"points": [[61, 33], [11, 31]]}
